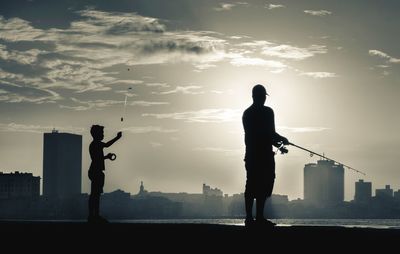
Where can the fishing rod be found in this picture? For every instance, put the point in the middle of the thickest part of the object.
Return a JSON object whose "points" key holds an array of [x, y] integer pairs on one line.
{"points": [[284, 150]]}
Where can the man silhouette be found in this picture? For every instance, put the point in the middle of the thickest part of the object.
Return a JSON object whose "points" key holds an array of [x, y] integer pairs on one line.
{"points": [[260, 136], [96, 169]]}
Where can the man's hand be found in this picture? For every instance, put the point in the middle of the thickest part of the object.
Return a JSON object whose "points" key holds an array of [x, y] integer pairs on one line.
{"points": [[285, 141], [108, 156]]}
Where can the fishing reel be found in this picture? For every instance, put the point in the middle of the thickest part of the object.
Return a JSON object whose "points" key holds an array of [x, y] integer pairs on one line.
{"points": [[282, 148]]}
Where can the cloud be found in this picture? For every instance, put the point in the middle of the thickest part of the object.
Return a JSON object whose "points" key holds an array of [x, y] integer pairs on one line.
{"points": [[15, 89], [79, 56], [226, 152], [242, 61], [155, 144], [16, 29], [157, 85], [183, 90], [236, 37], [293, 52], [125, 82], [284, 51], [21, 57], [274, 6], [147, 103], [15, 127], [148, 129], [204, 66], [374, 52], [224, 7], [319, 13], [303, 129], [319, 74], [201, 116], [126, 22], [229, 6], [81, 105]]}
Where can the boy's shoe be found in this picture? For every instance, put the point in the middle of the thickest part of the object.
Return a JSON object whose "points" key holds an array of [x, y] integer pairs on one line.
{"points": [[101, 219], [97, 220], [248, 222]]}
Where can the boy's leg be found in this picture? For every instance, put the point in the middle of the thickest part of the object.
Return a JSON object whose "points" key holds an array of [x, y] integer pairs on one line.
{"points": [[94, 197], [91, 205], [97, 205]]}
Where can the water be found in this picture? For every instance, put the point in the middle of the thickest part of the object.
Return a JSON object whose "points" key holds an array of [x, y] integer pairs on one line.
{"points": [[361, 223]]}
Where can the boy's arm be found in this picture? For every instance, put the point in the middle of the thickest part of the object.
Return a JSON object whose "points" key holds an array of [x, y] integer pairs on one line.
{"points": [[112, 141]]}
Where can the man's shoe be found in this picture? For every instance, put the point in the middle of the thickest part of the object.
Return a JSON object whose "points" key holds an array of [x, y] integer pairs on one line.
{"points": [[265, 223], [92, 219]]}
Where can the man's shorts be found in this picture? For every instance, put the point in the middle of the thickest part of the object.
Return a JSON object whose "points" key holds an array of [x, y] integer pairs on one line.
{"points": [[97, 178], [260, 177]]}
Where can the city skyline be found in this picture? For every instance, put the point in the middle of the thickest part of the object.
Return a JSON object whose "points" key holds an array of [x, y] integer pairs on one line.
{"points": [[361, 189], [187, 69]]}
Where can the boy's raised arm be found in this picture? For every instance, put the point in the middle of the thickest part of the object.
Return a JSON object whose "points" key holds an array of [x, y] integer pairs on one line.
{"points": [[112, 141]]}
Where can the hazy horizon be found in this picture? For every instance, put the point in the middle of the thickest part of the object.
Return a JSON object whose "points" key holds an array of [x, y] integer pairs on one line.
{"points": [[331, 69]]}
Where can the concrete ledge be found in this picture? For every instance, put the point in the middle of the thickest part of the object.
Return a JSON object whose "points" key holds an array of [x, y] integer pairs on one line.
{"points": [[174, 237]]}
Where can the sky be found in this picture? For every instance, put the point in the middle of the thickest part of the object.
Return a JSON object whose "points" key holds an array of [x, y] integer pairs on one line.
{"points": [[186, 69]]}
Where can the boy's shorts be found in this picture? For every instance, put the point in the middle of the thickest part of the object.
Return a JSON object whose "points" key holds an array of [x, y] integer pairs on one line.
{"points": [[97, 178]]}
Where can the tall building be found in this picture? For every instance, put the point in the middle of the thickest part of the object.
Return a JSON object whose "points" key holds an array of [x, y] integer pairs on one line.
{"points": [[363, 191], [19, 185], [62, 164], [323, 183]]}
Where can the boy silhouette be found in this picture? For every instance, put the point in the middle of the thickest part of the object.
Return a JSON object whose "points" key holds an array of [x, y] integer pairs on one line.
{"points": [[96, 169]]}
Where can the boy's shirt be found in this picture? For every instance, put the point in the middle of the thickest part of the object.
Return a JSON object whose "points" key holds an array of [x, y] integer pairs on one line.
{"points": [[97, 155]]}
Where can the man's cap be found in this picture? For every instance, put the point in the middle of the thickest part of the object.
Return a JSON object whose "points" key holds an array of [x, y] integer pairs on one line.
{"points": [[259, 90]]}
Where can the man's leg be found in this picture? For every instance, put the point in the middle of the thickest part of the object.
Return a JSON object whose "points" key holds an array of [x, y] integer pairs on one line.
{"points": [[249, 196], [249, 193], [249, 200], [260, 199]]}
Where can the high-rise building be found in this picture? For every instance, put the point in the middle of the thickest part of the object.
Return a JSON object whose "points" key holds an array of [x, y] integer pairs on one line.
{"points": [[62, 164], [19, 185], [363, 191], [323, 183]]}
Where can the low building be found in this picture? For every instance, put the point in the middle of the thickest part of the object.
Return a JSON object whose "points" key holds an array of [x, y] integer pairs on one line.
{"points": [[19, 185]]}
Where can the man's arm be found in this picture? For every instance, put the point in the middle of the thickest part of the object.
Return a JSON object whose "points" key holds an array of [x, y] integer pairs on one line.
{"points": [[112, 141], [276, 138]]}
